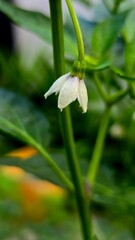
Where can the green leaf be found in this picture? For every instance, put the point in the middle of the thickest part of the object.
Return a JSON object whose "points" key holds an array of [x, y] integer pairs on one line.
{"points": [[95, 238], [113, 196], [129, 195], [106, 33], [35, 22], [130, 58], [30, 20], [123, 74], [129, 27], [17, 123], [37, 166], [20, 118], [92, 63]]}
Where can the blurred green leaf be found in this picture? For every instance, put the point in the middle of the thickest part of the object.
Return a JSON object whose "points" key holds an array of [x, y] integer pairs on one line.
{"points": [[93, 64], [123, 74], [109, 4], [95, 237], [110, 229], [35, 22], [37, 166], [130, 58], [129, 194], [20, 118], [106, 33], [129, 27]]}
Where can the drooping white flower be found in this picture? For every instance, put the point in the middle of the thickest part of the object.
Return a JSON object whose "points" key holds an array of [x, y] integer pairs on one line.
{"points": [[69, 88]]}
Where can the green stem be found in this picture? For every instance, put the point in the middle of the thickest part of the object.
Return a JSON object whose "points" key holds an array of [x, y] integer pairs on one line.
{"points": [[116, 97], [113, 98], [65, 119], [55, 167], [97, 152], [100, 88], [77, 30], [81, 198], [98, 148], [116, 6]]}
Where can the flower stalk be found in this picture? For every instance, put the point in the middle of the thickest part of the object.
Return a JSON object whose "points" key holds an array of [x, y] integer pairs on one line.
{"points": [[77, 30]]}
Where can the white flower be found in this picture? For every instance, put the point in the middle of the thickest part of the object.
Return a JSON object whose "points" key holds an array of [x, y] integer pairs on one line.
{"points": [[69, 89]]}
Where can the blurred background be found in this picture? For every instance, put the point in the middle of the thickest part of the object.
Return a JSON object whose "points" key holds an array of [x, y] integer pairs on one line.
{"points": [[31, 206]]}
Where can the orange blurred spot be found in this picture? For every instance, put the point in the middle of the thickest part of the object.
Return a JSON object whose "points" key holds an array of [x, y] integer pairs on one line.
{"points": [[30, 201], [33, 194], [24, 152], [32, 190], [12, 171]]}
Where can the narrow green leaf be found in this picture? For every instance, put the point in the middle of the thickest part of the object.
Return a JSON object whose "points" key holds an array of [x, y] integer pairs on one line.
{"points": [[11, 129], [123, 74], [19, 117], [130, 58], [106, 33], [92, 64], [35, 22], [13, 121], [108, 196], [129, 27], [30, 20]]}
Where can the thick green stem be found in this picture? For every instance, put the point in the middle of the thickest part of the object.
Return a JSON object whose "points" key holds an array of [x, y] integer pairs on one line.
{"points": [[97, 152], [82, 200], [65, 119], [77, 30], [116, 6]]}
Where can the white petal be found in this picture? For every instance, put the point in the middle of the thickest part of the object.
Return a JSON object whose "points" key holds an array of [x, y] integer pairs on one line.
{"points": [[82, 95], [68, 92], [57, 85]]}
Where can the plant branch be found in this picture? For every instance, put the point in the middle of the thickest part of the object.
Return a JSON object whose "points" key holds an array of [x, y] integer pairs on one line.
{"points": [[113, 98], [98, 148], [100, 89]]}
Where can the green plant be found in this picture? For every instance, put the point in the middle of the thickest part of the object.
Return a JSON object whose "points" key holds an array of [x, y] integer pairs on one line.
{"points": [[110, 65]]}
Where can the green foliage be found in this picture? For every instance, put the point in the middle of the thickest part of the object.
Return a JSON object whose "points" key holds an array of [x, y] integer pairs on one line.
{"points": [[38, 167], [20, 118], [30, 81], [34, 22], [130, 58], [106, 33], [129, 27], [113, 48]]}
